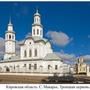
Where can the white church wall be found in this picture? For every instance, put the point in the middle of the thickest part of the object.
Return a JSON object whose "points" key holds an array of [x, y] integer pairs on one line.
{"points": [[42, 50], [42, 67]]}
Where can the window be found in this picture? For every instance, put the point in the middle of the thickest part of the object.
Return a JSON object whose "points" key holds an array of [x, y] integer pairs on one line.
{"points": [[49, 67], [7, 69], [25, 53], [30, 53], [35, 66], [14, 67], [56, 67], [84, 69], [80, 65], [37, 19], [12, 36], [37, 31], [29, 66], [9, 36], [35, 52], [30, 43], [24, 65], [41, 32], [34, 31], [80, 69], [89, 69]]}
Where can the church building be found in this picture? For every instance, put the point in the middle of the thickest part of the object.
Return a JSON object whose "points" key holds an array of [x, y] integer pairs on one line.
{"points": [[36, 54]]}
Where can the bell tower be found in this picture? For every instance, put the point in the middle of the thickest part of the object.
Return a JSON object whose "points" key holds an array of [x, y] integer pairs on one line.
{"points": [[9, 41], [37, 28]]}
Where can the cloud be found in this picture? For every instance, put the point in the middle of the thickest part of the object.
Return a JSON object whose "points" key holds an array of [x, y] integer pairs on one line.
{"points": [[88, 36], [24, 11], [67, 58], [59, 38], [2, 48], [15, 4], [86, 57], [28, 35]]}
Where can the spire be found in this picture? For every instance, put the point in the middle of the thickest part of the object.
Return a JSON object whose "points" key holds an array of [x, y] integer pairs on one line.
{"points": [[10, 23], [37, 29], [37, 10], [10, 26], [37, 13]]}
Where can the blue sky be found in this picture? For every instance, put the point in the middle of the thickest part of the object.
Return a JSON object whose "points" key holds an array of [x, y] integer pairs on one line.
{"points": [[70, 18]]}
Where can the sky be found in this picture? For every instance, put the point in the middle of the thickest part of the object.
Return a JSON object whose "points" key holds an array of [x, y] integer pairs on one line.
{"points": [[66, 24]]}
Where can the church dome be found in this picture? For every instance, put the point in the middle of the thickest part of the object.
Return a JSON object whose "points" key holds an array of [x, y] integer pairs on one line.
{"points": [[37, 13]]}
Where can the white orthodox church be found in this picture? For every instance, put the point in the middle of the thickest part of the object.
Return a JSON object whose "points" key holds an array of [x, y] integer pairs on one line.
{"points": [[36, 54]]}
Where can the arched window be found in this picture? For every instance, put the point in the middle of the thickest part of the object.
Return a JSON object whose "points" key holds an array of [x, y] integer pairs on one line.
{"points": [[30, 43], [37, 31], [37, 19], [25, 65], [35, 66], [56, 67], [12, 36], [49, 67], [40, 32], [14, 67], [89, 69], [25, 53], [30, 53], [34, 31], [29, 66], [35, 52], [9, 36]]}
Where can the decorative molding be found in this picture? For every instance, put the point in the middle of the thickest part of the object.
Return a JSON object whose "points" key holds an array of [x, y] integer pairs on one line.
{"points": [[37, 25], [10, 40], [10, 32], [9, 53]]}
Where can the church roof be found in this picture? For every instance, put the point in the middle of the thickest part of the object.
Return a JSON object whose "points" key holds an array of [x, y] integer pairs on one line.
{"points": [[52, 56], [38, 38], [12, 58], [35, 39]]}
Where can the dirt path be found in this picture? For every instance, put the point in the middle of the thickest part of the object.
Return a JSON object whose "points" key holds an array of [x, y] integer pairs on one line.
{"points": [[17, 79]]}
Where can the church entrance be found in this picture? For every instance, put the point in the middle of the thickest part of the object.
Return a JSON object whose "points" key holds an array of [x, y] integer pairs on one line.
{"points": [[7, 69]]}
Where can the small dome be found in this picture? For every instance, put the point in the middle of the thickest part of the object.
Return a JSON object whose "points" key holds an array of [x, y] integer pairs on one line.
{"points": [[37, 13]]}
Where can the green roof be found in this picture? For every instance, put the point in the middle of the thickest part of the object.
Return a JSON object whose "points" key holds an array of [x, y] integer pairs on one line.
{"points": [[35, 39], [52, 56]]}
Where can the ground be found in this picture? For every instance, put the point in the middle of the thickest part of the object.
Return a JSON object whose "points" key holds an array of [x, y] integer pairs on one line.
{"points": [[22, 79], [19, 79]]}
